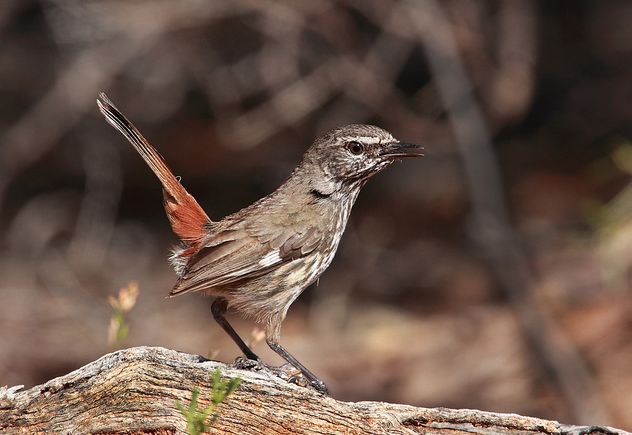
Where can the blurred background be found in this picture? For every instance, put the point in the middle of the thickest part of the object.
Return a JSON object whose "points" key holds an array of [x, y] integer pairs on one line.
{"points": [[495, 273]]}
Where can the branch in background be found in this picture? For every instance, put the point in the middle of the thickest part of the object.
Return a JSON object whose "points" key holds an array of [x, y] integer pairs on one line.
{"points": [[510, 89], [368, 81], [491, 227], [97, 215], [58, 110], [73, 92]]}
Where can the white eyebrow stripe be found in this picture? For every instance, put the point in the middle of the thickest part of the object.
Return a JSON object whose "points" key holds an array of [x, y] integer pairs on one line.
{"points": [[363, 139]]}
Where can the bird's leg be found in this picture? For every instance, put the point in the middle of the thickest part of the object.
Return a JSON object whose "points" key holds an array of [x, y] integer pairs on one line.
{"points": [[218, 308], [273, 333]]}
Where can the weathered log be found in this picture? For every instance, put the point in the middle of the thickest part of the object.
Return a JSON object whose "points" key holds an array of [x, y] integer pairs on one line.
{"points": [[134, 391]]}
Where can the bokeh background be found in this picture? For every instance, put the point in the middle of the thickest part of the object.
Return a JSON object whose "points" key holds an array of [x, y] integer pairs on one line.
{"points": [[494, 273]]}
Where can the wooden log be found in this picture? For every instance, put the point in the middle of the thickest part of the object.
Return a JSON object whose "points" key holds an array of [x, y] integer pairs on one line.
{"points": [[134, 391]]}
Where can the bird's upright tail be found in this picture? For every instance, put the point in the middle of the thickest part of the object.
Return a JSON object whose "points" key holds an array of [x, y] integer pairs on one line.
{"points": [[188, 220]]}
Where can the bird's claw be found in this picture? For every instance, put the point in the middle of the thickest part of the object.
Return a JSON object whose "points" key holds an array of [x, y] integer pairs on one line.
{"points": [[282, 372], [301, 380], [241, 362], [320, 386]]}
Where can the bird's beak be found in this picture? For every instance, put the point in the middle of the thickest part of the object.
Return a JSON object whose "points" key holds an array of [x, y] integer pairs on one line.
{"points": [[398, 150]]}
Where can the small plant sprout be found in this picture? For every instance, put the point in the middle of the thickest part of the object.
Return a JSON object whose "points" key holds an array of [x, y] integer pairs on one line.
{"points": [[199, 419], [125, 301]]}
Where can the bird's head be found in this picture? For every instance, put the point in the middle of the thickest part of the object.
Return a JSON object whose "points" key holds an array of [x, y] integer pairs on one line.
{"points": [[356, 152]]}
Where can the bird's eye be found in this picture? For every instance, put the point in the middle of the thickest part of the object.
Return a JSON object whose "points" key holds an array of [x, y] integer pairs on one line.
{"points": [[355, 147]]}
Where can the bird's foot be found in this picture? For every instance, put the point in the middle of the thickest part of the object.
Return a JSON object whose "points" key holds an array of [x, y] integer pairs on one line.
{"points": [[287, 372], [243, 363], [295, 376], [303, 381], [283, 372], [319, 386]]}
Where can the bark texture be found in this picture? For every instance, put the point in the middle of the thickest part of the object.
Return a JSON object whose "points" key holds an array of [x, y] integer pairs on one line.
{"points": [[134, 391]]}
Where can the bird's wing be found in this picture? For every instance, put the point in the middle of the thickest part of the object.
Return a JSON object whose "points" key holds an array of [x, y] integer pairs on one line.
{"points": [[247, 251]]}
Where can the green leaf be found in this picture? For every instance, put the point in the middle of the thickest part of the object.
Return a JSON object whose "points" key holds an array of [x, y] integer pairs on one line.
{"points": [[198, 420]]}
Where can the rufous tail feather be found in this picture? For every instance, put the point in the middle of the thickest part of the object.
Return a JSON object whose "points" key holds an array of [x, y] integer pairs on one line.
{"points": [[188, 220]]}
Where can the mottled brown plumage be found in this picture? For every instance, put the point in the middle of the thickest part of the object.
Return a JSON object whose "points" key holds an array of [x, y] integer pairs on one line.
{"points": [[259, 259]]}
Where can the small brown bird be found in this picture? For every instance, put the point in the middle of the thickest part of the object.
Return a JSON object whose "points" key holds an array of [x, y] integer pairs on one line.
{"points": [[258, 261]]}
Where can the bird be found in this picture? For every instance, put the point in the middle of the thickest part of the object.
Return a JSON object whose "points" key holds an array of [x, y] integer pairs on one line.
{"points": [[258, 260]]}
